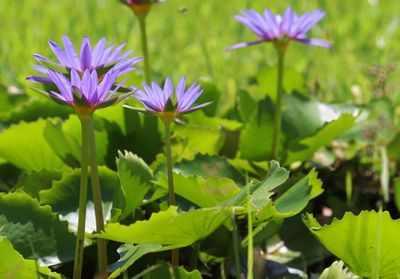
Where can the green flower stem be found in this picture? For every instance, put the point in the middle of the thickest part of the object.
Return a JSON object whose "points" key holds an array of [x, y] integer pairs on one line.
{"points": [[171, 191], [278, 103], [236, 246], [250, 236], [80, 237], [98, 208], [143, 37]]}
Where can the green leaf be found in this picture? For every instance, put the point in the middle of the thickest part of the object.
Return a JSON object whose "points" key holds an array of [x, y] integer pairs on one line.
{"points": [[129, 254], [38, 108], [36, 181], [13, 265], [73, 138], [297, 197], [65, 145], [337, 271], [256, 137], [247, 105], [210, 94], [302, 117], [323, 137], [170, 227], [206, 165], [165, 271], [25, 146], [201, 134], [261, 192], [196, 139], [63, 197], [135, 176], [34, 230], [125, 119], [267, 78], [204, 192], [364, 242]]}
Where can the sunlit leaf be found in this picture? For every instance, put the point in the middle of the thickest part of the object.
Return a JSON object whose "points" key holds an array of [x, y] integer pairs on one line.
{"points": [[25, 146], [204, 192], [297, 197], [337, 270], [13, 265], [170, 228], [135, 176], [129, 254], [364, 242]]}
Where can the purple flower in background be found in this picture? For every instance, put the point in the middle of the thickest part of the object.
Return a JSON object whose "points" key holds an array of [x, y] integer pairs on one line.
{"points": [[280, 29], [85, 93], [140, 7], [168, 102], [97, 58]]}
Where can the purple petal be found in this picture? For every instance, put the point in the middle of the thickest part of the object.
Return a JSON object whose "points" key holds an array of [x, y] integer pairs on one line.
{"points": [[86, 85], [59, 53], [39, 79], [272, 23], [245, 44], [196, 107], [41, 69], [106, 83], [309, 20], [71, 53], [247, 21], [75, 79], [190, 97], [180, 89], [168, 88], [98, 51], [62, 84], [315, 42], [86, 55], [39, 57], [287, 20], [106, 54], [59, 98], [115, 53], [94, 86]]}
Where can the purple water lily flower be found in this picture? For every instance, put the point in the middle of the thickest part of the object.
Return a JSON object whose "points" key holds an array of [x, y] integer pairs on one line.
{"points": [[85, 93], [280, 29], [169, 102], [140, 2], [97, 58]]}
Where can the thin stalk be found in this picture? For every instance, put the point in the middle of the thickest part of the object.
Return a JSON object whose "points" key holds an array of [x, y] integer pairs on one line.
{"points": [[143, 39], [349, 187], [80, 236], [278, 104], [236, 247], [98, 208], [250, 236], [171, 191]]}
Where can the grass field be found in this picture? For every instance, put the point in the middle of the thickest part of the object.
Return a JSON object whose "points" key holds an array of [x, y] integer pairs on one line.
{"points": [[190, 38]]}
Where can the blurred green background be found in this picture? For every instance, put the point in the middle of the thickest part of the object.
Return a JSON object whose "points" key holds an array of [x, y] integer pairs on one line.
{"points": [[189, 37]]}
